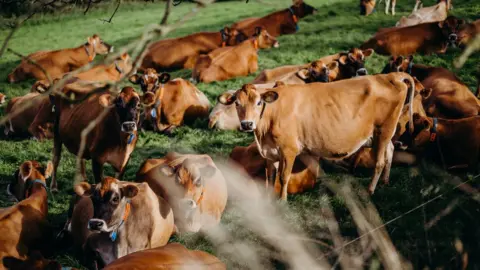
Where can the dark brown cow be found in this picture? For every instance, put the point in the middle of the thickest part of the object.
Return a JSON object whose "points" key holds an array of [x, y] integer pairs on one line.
{"points": [[178, 53], [111, 141], [24, 226], [467, 32], [56, 63], [450, 97], [171, 256], [423, 38], [282, 22], [218, 64], [169, 104], [193, 186]]}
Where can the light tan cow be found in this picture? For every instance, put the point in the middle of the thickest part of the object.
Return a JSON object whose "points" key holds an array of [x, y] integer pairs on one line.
{"points": [[328, 120], [192, 184], [435, 13]]}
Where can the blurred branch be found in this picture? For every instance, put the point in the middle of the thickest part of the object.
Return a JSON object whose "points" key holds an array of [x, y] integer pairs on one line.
{"points": [[471, 48], [114, 12], [168, 6]]}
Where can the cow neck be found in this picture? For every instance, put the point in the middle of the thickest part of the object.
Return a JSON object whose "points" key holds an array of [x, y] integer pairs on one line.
{"points": [[263, 126], [155, 109], [90, 51], [36, 194], [255, 43], [294, 17], [126, 214]]}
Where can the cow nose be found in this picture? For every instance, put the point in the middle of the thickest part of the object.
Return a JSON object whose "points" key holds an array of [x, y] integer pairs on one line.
{"points": [[129, 126], [247, 125], [191, 204], [452, 37], [362, 72], [95, 224], [276, 44]]}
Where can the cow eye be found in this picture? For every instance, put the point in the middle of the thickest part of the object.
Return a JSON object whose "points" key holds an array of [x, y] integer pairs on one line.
{"points": [[259, 102], [115, 199]]}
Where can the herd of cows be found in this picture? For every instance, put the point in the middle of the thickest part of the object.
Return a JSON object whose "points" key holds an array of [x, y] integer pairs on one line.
{"points": [[329, 110]]}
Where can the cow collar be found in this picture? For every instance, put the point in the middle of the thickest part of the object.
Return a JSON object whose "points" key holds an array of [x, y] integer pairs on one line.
{"points": [[294, 17], [126, 213], [30, 185], [433, 130], [90, 55]]}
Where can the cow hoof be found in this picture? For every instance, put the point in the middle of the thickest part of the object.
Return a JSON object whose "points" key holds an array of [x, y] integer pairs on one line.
{"points": [[371, 191]]}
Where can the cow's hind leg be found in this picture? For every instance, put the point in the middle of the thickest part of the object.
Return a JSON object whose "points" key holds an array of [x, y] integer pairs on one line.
{"points": [[270, 173], [387, 5], [394, 2], [388, 162], [380, 147]]}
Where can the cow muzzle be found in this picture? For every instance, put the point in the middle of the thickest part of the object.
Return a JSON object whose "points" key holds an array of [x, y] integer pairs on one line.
{"points": [[129, 126], [362, 72], [111, 49], [96, 224], [247, 125], [452, 37], [276, 44], [189, 204]]}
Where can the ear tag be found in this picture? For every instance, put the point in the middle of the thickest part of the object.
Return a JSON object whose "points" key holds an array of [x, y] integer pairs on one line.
{"points": [[153, 113], [130, 138], [113, 236]]}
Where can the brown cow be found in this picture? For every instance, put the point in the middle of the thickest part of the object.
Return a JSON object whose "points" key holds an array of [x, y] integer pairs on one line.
{"points": [[171, 256], [23, 111], [2, 98], [328, 120], [450, 97], [24, 226], [435, 13], [56, 63], [130, 213], [425, 38], [193, 186], [304, 173], [217, 65], [111, 141], [179, 53], [281, 22], [169, 104], [467, 32]]}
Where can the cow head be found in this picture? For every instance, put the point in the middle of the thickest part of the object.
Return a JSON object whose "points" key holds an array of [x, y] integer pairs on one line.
{"points": [[367, 7], [450, 29], [95, 45], [149, 81], [109, 199], [318, 71], [264, 39], [126, 107], [466, 32], [399, 64], [123, 64], [250, 105], [24, 177], [352, 64], [188, 184], [232, 36], [422, 132], [301, 9]]}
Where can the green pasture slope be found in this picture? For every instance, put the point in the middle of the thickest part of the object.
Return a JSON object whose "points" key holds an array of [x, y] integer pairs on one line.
{"points": [[338, 26]]}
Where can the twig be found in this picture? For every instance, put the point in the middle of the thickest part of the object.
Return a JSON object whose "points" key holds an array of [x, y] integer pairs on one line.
{"points": [[471, 48], [168, 6], [111, 17], [10, 35]]}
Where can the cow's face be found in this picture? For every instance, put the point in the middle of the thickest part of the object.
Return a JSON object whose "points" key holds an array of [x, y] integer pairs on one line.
{"points": [[150, 83], [399, 64], [450, 29], [265, 40], [28, 172], [109, 199], [318, 71], [249, 104], [466, 32], [421, 136], [303, 9], [232, 36], [98, 45], [126, 106], [352, 64], [367, 7]]}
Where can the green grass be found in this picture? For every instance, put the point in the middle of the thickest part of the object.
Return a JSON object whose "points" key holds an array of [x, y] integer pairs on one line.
{"points": [[336, 27]]}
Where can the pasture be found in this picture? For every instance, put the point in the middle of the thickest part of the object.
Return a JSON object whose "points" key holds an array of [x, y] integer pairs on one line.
{"points": [[336, 27]]}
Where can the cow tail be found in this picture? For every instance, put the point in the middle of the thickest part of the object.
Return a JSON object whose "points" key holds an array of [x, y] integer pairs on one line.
{"points": [[410, 95]]}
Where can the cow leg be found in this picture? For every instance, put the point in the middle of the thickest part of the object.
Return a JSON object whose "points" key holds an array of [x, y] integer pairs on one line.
{"points": [[57, 155], [286, 167], [379, 151], [97, 169], [387, 5], [394, 2], [270, 173], [388, 162]]}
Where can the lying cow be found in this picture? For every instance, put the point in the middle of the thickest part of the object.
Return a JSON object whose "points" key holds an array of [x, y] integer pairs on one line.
{"points": [[56, 63], [179, 53], [169, 104], [424, 38], [316, 127], [130, 214], [304, 173], [24, 226], [468, 32], [281, 22], [193, 186], [449, 98], [111, 140], [217, 65], [171, 256], [435, 13]]}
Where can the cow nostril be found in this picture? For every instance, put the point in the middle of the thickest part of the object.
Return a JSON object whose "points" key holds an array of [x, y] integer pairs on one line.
{"points": [[452, 37]]}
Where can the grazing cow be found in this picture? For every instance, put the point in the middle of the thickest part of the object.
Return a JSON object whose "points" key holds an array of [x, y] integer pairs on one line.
{"points": [[111, 141], [328, 120], [171, 256], [56, 63], [425, 38], [467, 32], [24, 226], [281, 22], [101, 73], [435, 13], [304, 173], [23, 111], [180, 53], [193, 186], [217, 65], [169, 104], [449, 98], [2, 98], [130, 213]]}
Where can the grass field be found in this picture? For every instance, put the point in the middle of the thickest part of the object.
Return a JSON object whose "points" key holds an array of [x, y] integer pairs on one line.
{"points": [[336, 27]]}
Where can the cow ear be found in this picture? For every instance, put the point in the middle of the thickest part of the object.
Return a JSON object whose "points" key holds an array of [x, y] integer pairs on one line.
{"points": [[105, 100], [343, 59], [399, 60], [129, 191], [164, 77], [83, 189], [332, 65], [167, 171], [270, 96], [135, 79], [227, 98], [258, 31], [208, 171], [303, 74], [425, 93], [48, 169], [368, 52], [26, 170], [124, 56]]}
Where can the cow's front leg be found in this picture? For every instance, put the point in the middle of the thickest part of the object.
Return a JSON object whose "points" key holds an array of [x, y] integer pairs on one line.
{"points": [[394, 2], [286, 166], [388, 162]]}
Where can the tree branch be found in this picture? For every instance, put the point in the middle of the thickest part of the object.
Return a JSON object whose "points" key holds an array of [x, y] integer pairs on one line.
{"points": [[168, 7], [114, 12]]}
